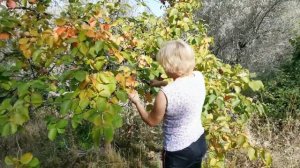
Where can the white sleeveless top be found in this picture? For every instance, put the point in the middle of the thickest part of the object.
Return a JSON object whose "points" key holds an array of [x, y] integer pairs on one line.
{"points": [[182, 122]]}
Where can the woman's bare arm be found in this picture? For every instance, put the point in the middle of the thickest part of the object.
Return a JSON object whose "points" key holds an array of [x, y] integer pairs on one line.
{"points": [[157, 114]]}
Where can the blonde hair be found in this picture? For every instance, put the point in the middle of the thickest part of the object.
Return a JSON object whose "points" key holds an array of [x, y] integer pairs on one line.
{"points": [[176, 57]]}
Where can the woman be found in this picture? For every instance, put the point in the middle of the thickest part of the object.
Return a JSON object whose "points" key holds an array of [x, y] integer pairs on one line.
{"points": [[179, 105]]}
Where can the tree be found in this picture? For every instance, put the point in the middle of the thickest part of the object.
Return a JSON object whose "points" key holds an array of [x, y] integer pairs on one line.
{"points": [[82, 65], [252, 33]]}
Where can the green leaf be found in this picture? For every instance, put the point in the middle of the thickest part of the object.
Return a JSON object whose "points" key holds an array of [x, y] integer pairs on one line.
{"points": [[80, 75], [106, 90], [38, 84], [76, 120], [111, 87], [83, 48], [83, 103], [115, 108], [82, 36], [36, 55], [97, 120], [14, 128], [52, 134], [34, 162], [241, 140], [96, 133], [101, 104], [117, 122], [26, 158], [2, 44], [99, 64], [61, 131], [24, 3], [62, 123], [173, 12], [6, 130], [251, 153], [256, 85], [5, 106], [23, 89], [65, 106], [260, 108], [268, 158], [211, 98], [9, 161], [108, 134], [18, 118], [60, 22], [104, 78], [235, 102], [121, 95], [99, 45], [92, 52], [36, 99]]}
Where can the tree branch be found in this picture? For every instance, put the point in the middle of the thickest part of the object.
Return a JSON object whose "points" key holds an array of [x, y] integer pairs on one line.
{"points": [[31, 68], [26, 8], [265, 14]]}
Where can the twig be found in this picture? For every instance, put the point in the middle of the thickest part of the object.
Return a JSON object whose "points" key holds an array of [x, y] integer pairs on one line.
{"points": [[19, 148], [26, 8], [31, 68]]}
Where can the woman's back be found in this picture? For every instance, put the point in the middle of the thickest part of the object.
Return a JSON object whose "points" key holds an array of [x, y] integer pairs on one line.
{"points": [[182, 121]]}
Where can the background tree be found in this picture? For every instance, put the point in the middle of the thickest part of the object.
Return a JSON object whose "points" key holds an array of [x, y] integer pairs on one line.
{"points": [[252, 33]]}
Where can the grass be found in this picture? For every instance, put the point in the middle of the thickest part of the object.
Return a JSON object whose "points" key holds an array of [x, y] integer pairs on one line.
{"points": [[138, 146]]}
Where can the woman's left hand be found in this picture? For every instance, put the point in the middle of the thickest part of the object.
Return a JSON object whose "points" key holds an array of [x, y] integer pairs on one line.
{"points": [[134, 97]]}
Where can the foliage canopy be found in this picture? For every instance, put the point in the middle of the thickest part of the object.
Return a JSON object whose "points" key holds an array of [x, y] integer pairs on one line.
{"points": [[82, 65]]}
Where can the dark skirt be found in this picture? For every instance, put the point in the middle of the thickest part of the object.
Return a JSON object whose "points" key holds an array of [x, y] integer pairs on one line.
{"points": [[189, 157]]}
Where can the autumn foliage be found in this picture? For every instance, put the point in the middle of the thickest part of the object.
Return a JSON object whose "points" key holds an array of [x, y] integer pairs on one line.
{"points": [[82, 65]]}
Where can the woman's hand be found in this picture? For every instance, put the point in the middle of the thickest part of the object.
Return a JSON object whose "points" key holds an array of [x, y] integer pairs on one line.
{"points": [[134, 97], [158, 83]]}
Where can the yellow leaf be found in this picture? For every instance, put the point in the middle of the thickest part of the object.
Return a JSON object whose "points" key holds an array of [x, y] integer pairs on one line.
{"points": [[119, 56], [121, 80], [213, 161], [27, 53], [114, 100], [26, 158], [23, 40]]}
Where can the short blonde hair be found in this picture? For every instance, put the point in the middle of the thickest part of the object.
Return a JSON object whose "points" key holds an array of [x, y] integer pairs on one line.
{"points": [[176, 57]]}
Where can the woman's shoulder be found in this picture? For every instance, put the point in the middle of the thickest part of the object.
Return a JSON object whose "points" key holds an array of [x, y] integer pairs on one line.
{"points": [[197, 73]]}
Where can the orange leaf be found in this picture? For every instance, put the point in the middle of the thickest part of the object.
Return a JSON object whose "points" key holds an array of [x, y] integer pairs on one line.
{"points": [[134, 42], [90, 33], [4, 36], [60, 30], [148, 97], [32, 1], [227, 97], [24, 46], [74, 44], [130, 81], [92, 22], [71, 32], [106, 27], [11, 4], [121, 79]]}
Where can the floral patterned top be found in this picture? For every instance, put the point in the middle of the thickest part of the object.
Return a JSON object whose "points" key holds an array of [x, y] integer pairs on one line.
{"points": [[182, 122]]}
